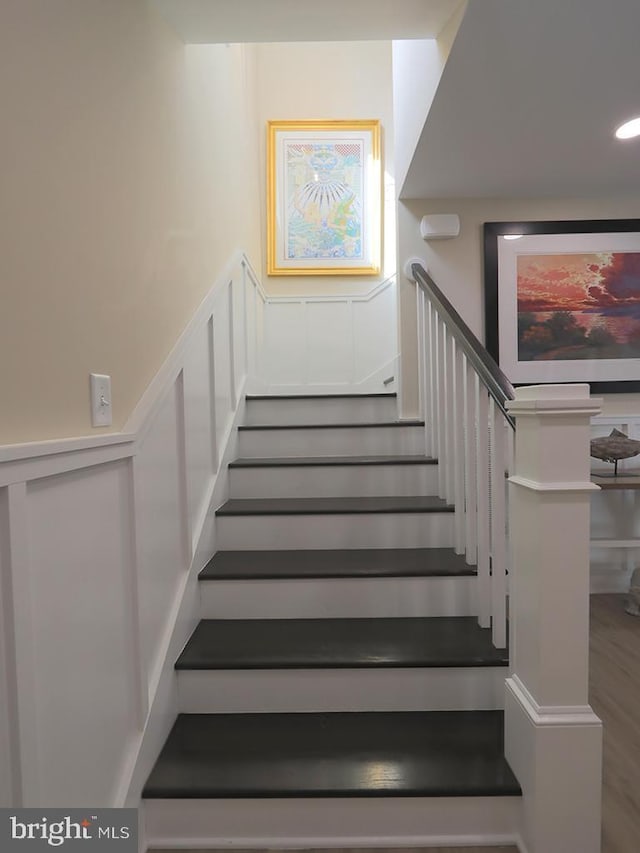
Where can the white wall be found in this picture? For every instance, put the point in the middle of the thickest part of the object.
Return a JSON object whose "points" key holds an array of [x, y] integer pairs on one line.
{"points": [[329, 80], [457, 265], [329, 333], [130, 168], [417, 67]]}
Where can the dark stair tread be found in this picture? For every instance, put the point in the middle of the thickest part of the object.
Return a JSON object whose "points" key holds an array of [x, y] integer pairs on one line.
{"points": [[340, 643], [332, 506], [382, 394], [336, 563], [370, 754], [319, 461], [350, 425]]}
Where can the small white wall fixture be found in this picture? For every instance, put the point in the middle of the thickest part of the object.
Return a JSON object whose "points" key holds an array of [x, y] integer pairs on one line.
{"points": [[440, 226], [553, 739]]}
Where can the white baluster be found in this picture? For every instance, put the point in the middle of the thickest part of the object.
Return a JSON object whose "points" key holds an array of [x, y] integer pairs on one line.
{"points": [[442, 423], [511, 449], [433, 379], [430, 360], [498, 529], [421, 349], [446, 420], [471, 521], [451, 418], [482, 479], [459, 448]]}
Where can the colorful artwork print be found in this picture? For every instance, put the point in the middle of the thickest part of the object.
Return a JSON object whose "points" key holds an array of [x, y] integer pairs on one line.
{"points": [[578, 306], [324, 192], [324, 198]]}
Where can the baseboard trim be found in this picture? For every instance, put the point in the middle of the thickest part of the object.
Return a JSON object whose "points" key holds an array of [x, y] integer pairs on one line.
{"points": [[374, 842], [610, 582]]}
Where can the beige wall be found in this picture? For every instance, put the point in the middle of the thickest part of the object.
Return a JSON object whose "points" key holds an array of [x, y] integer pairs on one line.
{"points": [[329, 80], [456, 265], [129, 171]]}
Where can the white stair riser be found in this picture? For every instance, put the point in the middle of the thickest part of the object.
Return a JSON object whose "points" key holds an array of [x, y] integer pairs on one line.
{"points": [[333, 481], [278, 691], [341, 441], [322, 411], [323, 822], [369, 530], [338, 598]]}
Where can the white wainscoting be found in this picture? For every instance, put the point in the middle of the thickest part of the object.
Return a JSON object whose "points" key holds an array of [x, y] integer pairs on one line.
{"points": [[102, 537], [82, 685], [101, 540], [9, 778], [317, 344]]}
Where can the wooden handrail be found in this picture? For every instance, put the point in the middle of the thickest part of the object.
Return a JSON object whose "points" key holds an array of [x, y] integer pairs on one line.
{"points": [[488, 370]]}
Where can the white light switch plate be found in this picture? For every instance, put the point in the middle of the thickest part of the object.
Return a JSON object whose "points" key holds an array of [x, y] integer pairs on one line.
{"points": [[100, 400]]}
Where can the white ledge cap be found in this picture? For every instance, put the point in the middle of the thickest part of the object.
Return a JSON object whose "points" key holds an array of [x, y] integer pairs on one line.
{"points": [[559, 398]]}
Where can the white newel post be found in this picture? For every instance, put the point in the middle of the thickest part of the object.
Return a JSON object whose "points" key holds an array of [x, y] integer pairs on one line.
{"points": [[553, 738]]}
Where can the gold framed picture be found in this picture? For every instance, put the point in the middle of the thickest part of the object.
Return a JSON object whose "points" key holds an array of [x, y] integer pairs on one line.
{"points": [[324, 189]]}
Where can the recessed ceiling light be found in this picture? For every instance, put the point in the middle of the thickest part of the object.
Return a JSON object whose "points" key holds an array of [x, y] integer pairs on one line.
{"points": [[512, 236], [629, 129]]}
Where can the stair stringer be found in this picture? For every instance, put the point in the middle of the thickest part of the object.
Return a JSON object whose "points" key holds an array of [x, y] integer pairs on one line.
{"points": [[164, 705]]}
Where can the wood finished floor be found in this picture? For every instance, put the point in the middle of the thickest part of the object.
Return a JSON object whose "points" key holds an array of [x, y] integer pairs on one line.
{"points": [[615, 697]]}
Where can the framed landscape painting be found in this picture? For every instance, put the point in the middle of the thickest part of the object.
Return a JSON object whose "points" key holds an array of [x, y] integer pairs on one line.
{"points": [[562, 301], [323, 197]]}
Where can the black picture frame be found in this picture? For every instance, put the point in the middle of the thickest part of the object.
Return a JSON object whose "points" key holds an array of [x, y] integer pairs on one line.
{"points": [[492, 232]]}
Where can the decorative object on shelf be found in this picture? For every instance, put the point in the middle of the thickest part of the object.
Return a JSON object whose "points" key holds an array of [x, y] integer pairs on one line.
{"points": [[633, 602], [562, 301], [324, 191], [440, 226], [613, 447]]}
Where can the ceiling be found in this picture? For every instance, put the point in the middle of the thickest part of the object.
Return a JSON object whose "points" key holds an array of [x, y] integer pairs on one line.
{"points": [[528, 102], [229, 21]]}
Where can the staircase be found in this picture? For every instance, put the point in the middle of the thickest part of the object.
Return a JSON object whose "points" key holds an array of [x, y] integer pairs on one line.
{"points": [[338, 688]]}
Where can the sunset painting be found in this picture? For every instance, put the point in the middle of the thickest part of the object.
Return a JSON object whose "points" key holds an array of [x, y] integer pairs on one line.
{"points": [[578, 306]]}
